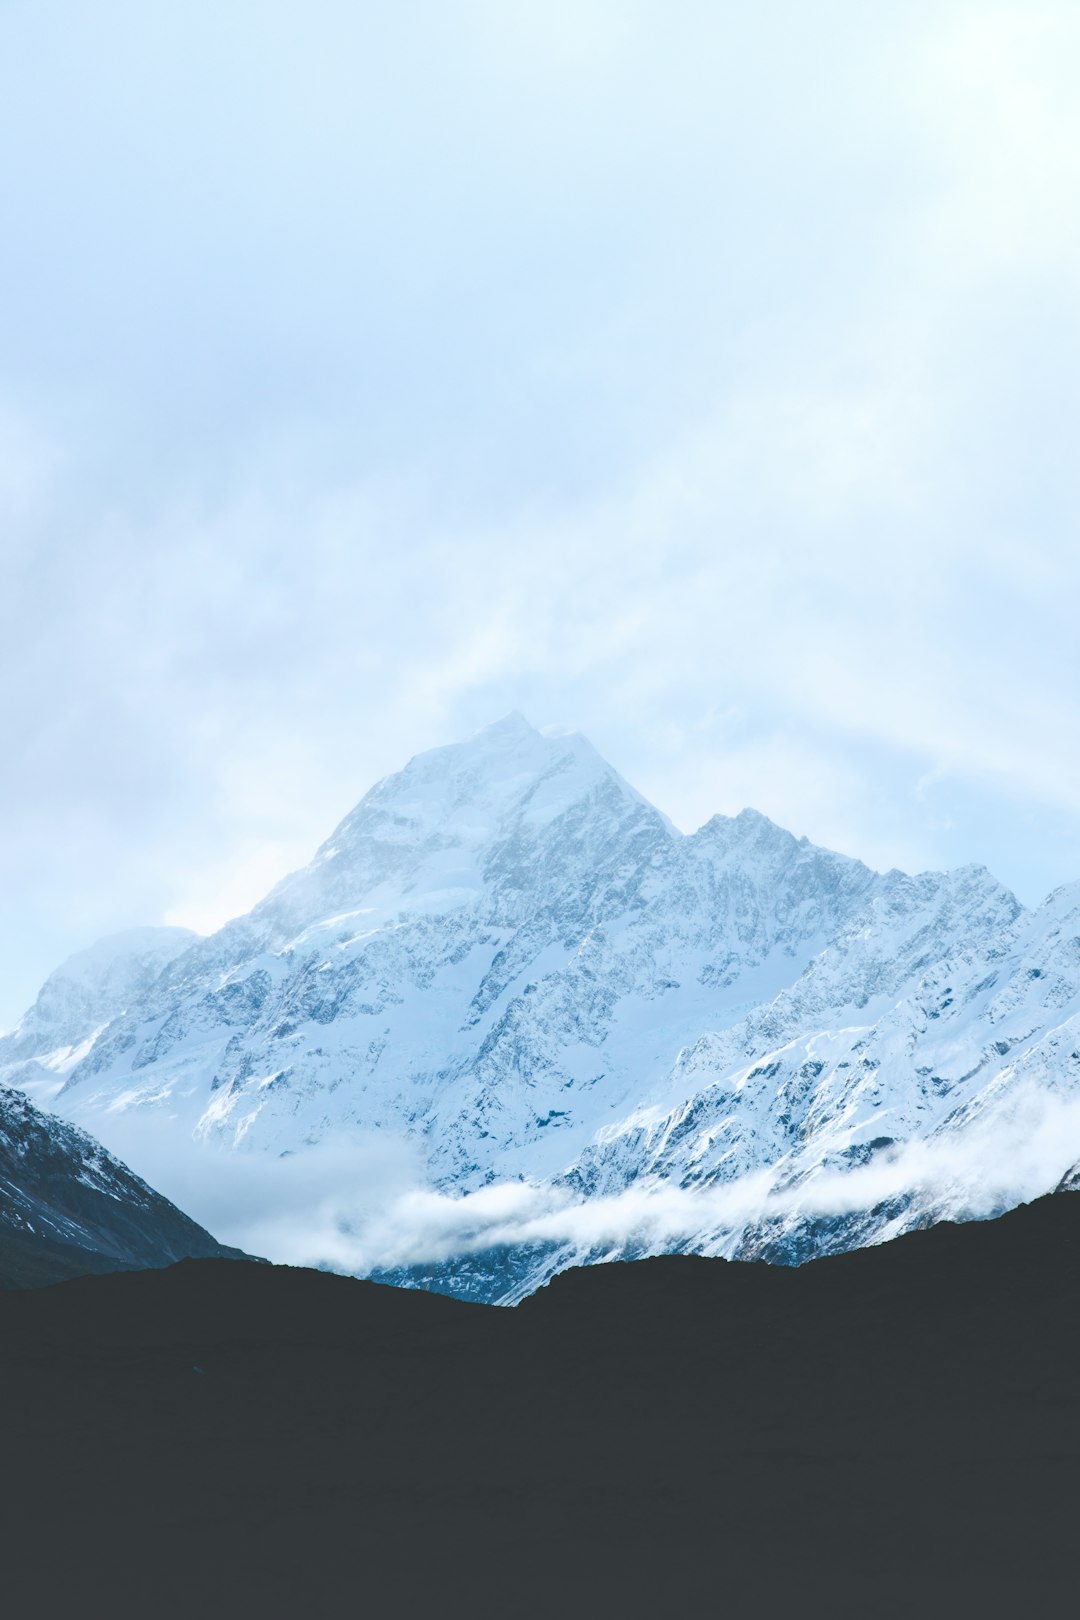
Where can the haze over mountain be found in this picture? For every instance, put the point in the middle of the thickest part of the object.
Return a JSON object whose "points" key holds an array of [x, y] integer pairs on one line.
{"points": [[577, 1033]]}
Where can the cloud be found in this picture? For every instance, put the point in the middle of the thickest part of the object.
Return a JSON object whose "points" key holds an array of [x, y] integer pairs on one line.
{"points": [[967, 1177], [287, 1207], [996, 94], [355, 1203]]}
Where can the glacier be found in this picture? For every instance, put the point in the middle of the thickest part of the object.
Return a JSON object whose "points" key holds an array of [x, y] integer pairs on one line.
{"points": [[595, 1035]]}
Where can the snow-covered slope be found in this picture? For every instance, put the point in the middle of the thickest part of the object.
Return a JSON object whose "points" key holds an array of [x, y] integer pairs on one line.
{"points": [[507, 958], [67, 1207]]}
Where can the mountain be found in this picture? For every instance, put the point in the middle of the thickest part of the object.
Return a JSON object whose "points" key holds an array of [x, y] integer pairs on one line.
{"points": [[499, 948], [67, 1207], [509, 961], [892, 1432]]}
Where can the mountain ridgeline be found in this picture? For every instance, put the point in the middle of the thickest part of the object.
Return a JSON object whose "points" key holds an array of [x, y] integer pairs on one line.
{"points": [[510, 961]]}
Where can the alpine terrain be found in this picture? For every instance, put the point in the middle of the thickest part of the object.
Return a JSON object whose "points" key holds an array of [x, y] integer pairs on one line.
{"points": [[731, 1042]]}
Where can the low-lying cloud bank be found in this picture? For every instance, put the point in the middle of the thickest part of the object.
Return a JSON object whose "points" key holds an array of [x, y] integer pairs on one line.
{"points": [[355, 1203]]}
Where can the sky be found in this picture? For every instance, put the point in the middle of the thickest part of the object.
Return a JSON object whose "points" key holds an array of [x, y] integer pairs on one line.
{"points": [[700, 376]]}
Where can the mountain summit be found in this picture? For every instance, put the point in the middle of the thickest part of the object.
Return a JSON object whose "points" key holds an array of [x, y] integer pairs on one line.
{"points": [[485, 821], [509, 961]]}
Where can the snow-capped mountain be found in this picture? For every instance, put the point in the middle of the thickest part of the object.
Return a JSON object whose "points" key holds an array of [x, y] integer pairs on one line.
{"points": [[507, 958], [503, 945], [67, 1207]]}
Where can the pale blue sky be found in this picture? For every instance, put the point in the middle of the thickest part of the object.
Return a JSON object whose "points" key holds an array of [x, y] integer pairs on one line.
{"points": [[704, 376]]}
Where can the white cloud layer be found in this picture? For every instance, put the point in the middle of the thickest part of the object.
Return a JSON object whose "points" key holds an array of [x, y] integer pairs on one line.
{"points": [[355, 1203]]}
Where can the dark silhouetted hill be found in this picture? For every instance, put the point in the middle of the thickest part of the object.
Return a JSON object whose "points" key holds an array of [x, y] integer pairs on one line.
{"points": [[892, 1432]]}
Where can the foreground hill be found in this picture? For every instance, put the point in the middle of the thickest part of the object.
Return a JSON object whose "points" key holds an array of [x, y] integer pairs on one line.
{"points": [[68, 1208], [892, 1432]]}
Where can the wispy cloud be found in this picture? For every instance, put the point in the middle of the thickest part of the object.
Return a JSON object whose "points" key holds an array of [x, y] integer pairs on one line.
{"points": [[355, 1203]]}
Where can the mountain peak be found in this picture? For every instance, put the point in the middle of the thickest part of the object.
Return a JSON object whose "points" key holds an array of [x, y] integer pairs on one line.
{"points": [[749, 827], [754, 819], [501, 766], [513, 724], [429, 832]]}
